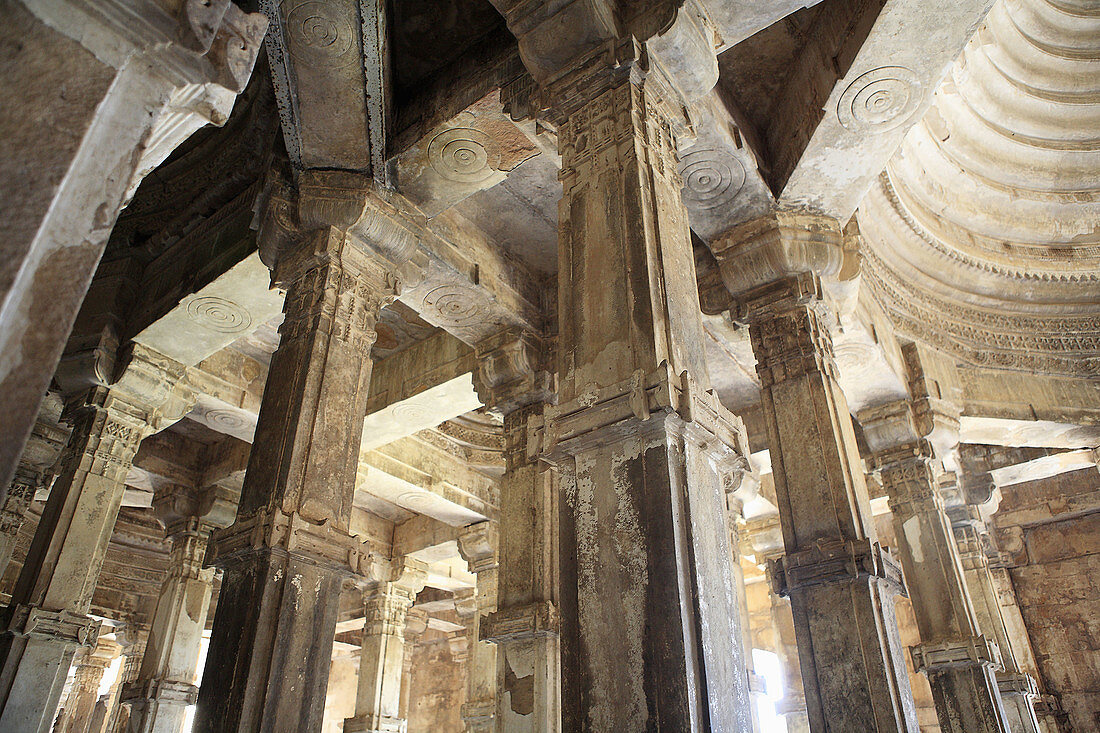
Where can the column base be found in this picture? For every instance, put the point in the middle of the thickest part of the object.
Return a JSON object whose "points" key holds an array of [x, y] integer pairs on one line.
{"points": [[374, 724]]}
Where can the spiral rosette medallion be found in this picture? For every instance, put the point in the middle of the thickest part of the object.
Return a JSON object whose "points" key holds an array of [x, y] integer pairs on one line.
{"points": [[880, 100], [225, 421], [464, 155], [219, 314], [412, 414], [712, 178], [320, 32]]}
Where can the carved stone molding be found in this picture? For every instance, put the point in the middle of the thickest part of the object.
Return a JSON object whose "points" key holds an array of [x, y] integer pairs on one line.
{"points": [[512, 371], [521, 622], [835, 562], [977, 651]]}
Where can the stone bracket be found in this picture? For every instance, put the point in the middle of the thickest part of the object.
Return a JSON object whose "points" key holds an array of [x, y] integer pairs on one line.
{"points": [[162, 691], [522, 622], [292, 534], [63, 626], [834, 561], [1017, 683], [374, 724], [977, 651], [622, 410]]}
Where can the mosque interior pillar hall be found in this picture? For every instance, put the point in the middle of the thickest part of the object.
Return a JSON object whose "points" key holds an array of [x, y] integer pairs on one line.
{"points": [[528, 366]]}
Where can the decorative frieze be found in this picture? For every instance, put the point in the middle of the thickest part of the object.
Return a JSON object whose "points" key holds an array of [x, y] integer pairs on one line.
{"points": [[975, 651], [834, 562], [521, 622]]}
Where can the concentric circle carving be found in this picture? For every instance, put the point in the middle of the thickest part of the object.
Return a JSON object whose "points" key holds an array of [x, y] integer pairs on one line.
{"points": [[880, 100], [455, 305], [319, 31], [415, 500], [226, 420], [712, 178], [219, 314], [407, 414], [463, 155]]}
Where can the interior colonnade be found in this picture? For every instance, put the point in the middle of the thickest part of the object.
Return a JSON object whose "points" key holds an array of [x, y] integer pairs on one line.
{"points": [[524, 367]]}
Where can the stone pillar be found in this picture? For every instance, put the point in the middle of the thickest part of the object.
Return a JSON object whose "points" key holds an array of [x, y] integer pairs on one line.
{"points": [[957, 659], [650, 626], [416, 623], [478, 546], [840, 581], [84, 693], [165, 683], [148, 75], [1018, 689], [290, 550], [47, 620], [512, 377], [133, 639], [382, 660]]}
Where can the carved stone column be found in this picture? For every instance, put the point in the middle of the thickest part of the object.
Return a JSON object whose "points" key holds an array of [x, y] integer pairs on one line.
{"points": [[955, 656], [650, 625], [84, 693], [1018, 689], [478, 546], [133, 639], [47, 620], [149, 74], [840, 581], [14, 508], [290, 550], [739, 540], [513, 378], [165, 683], [381, 666]]}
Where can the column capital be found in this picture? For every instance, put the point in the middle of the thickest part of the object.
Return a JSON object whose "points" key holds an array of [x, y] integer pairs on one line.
{"points": [[273, 530], [64, 626], [192, 509], [790, 333]]}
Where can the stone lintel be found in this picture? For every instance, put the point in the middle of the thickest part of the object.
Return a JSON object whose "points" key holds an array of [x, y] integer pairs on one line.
{"points": [[835, 562], [976, 651], [539, 619]]}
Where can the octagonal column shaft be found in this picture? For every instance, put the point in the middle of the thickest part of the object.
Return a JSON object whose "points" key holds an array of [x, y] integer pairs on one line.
{"points": [[289, 551], [78, 712], [47, 620], [957, 659], [840, 582], [382, 656]]}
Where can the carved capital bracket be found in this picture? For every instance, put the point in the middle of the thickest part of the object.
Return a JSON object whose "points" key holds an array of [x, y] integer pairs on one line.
{"points": [[161, 691], [976, 651], [835, 561], [512, 371], [789, 331], [58, 626], [517, 623], [1017, 684], [276, 531], [477, 544], [636, 408]]}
